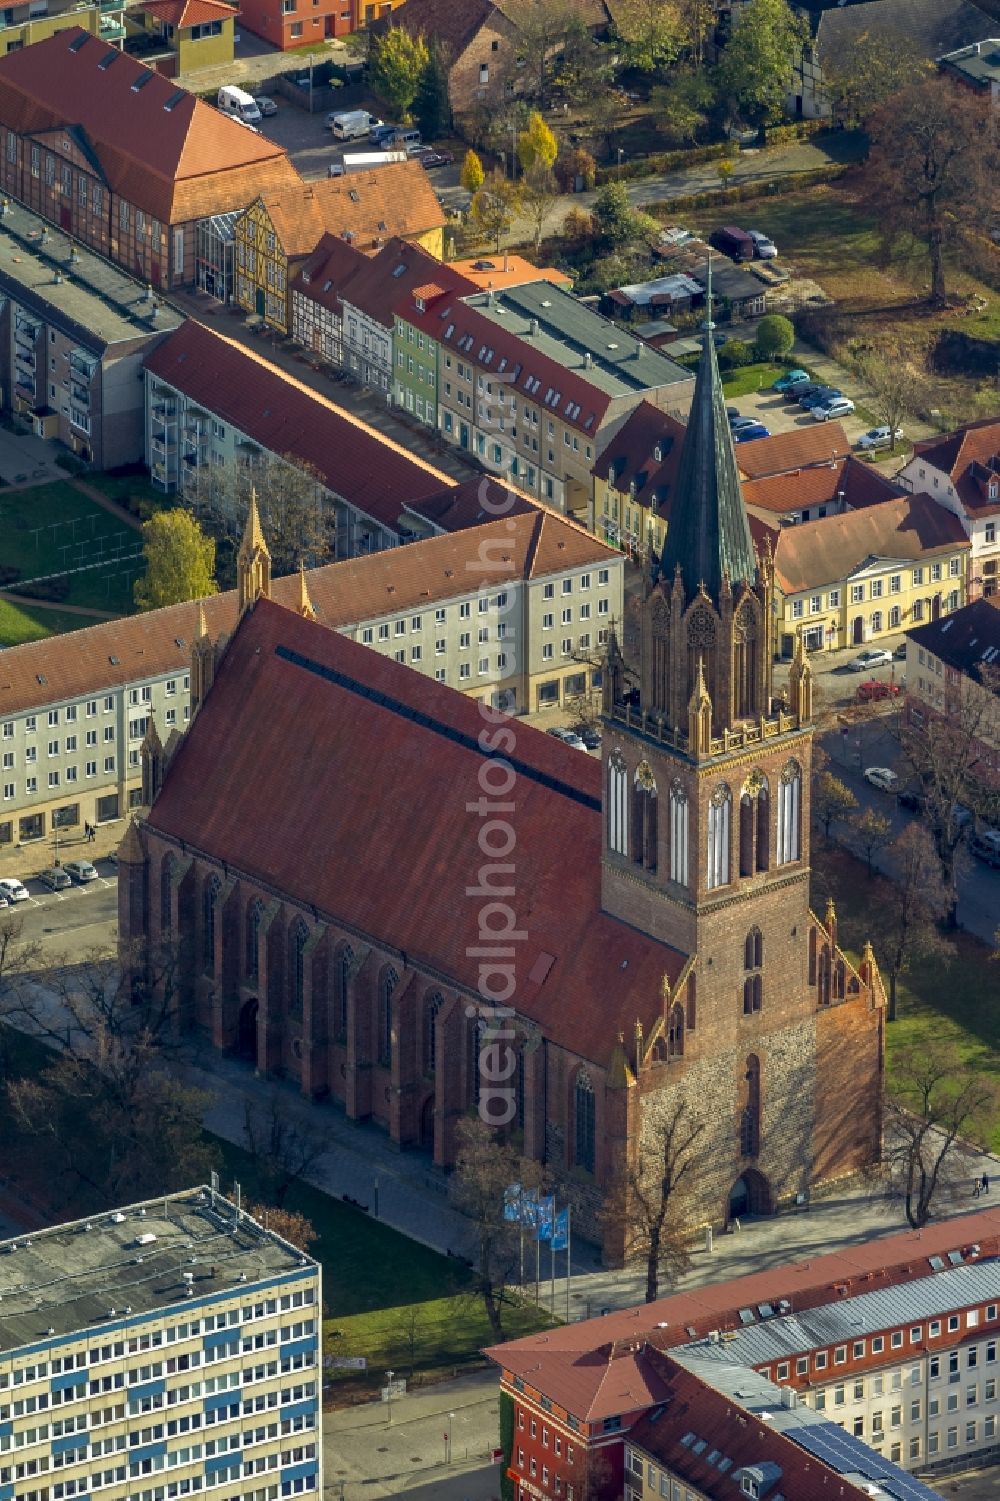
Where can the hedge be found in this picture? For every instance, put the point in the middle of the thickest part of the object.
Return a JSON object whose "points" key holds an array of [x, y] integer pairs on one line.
{"points": [[775, 187], [665, 161], [775, 135]]}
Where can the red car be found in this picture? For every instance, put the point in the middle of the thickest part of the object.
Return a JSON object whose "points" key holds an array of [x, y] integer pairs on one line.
{"points": [[869, 692]]}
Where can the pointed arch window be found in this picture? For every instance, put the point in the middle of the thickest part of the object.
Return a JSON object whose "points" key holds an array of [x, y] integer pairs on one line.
{"points": [[679, 834], [644, 817], [342, 988], [477, 1042], [297, 967], [209, 900], [745, 661], [763, 851], [255, 913], [432, 1007], [675, 1032], [617, 810], [789, 814], [719, 809], [753, 965], [584, 1120], [750, 1114], [754, 824], [166, 895], [387, 985]]}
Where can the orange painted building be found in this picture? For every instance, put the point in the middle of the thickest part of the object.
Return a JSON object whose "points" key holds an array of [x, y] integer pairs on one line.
{"points": [[295, 23]]}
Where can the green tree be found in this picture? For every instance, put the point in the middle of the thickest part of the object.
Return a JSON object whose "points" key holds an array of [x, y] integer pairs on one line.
{"points": [[180, 561], [874, 832], [652, 33], [397, 65], [542, 29], [536, 146], [831, 800], [681, 105], [431, 106], [613, 214], [868, 72], [472, 175], [494, 206], [755, 70], [775, 336]]}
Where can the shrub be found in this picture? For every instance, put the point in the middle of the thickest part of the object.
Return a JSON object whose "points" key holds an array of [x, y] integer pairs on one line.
{"points": [[735, 354], [775, 336]]}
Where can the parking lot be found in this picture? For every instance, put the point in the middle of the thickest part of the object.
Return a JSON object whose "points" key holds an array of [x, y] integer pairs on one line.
{"points": [[781, 416], [40, 895]]}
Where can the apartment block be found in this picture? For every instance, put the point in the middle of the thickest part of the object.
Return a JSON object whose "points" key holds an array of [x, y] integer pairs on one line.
{"points": [[73, 334], [166, 1349]]}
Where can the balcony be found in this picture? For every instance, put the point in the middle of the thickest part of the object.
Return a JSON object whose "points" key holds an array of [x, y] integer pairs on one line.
{"points": [[112, 31]]}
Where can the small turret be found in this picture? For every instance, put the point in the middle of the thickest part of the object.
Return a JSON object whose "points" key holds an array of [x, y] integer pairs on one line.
{"points": [[305, 604], [700, 717], [253, 562]]}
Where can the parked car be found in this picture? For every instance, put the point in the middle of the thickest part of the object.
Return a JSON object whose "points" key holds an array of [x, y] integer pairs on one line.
{"points": [[804, 388], [986, 847], [882, 777], [265, 104], [874, 690], [900, 652], [818, 397], [875, 656], [732, 413], [591, 737], [80, 870], [764, 247], [791, 379], [55, 879], [911, 798], [839, 406], [737, 424], [732, 241], [748, 434], [379, 131], [879, 437], [568, 737], [13, 890], [431, 159]]}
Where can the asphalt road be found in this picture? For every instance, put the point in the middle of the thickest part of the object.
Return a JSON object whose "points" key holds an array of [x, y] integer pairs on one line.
{"points": [[79, 919]]}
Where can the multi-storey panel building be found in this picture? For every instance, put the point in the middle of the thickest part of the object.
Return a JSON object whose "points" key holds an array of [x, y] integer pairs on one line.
{"points": [[214, 407], [179, 1353], [73, 334], [121, 158]]}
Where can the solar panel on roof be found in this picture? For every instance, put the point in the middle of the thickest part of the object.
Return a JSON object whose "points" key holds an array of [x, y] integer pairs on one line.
{"points": [[847, 1455], [108, 59], [936, 1263], [955, 1257], [78, 42], [746, 1316]]}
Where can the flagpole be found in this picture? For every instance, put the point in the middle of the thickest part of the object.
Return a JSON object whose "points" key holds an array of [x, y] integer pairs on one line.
{"points": [[538, 1263], [552, 1265], [569, 1248], [520, 1230]]}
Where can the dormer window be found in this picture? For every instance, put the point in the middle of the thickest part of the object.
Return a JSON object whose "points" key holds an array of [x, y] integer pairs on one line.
{"points": [[994, 489], [658, 454]]}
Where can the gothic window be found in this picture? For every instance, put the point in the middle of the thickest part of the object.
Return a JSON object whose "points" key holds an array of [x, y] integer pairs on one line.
{"points": [[431, 1009], [812, 956], [701, 640], [839, 979], [477, 1042], [753, 963], [585, 1134], [166, 902], [675, 1032], [519, 1085], [617, 804], [747, 821], [644, 817], [387, 985], [342, 985], [824, 976], [209, 897], [297, 967], [692, 1003], [763, 827], [255, 912], [753, 824], [717, 873], [789, 814], [745, 662], [678, 834], [750, 1114]]}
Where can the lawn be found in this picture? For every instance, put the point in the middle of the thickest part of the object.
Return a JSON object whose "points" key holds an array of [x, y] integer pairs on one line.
{"points": [[750, 379], [54, 529], [135, 488], [939, 1000], [389, 1298], [20, 623]]}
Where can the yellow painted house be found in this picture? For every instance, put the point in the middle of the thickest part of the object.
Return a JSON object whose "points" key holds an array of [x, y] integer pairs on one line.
{"points": [[199, 33], [33, 21], [866, 575], [633, 481]]}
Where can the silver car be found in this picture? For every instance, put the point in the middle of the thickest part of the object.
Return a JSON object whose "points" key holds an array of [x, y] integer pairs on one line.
{"points": [[80, 870], [55, 879]]}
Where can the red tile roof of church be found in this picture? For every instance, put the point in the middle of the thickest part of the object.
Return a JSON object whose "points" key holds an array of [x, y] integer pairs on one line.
{"points": [[342, 779]]}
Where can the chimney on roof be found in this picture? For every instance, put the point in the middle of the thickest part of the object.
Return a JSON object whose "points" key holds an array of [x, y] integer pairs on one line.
{"points": [[74, 255], [506, 261], [533, 327], [588, 360], [638, 351]]}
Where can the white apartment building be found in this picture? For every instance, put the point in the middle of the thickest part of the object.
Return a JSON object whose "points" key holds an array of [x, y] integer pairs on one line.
{"points": [[165, 1350]]}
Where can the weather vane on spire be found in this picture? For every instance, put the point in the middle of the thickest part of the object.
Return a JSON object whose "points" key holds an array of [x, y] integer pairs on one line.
{"points": [[708, 325]]}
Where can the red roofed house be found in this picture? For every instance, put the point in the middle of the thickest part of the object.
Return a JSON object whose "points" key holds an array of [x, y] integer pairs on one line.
{"points": [[187, 34], [330, 897], [825, 489], [633, 481], [215, 408], [121, 158], [961, 471]]}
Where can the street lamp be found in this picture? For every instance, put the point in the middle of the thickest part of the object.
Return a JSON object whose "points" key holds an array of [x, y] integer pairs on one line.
{"points": [[451, 1419], [620, 155]]}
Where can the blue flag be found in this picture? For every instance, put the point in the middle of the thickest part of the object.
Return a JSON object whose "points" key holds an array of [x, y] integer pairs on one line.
{"points": [[512, 1203], [546, 1214], [560, 1232], [529, 1207]]}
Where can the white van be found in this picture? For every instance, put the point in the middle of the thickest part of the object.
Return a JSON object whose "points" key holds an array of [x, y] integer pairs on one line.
{"points": [[239, 104], [349, 125]]}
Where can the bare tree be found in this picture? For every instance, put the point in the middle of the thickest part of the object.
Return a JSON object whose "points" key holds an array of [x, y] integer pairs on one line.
{"points": [[485, 1167], [915, 903], [542, 28], [873, 832], [868, 72], [295, 510], [646, 1202], [19, 958], [894, 387], [284, 1148], [936, 1106], [540, 194], [411, 1328], [832, 799], [288, 1223]]}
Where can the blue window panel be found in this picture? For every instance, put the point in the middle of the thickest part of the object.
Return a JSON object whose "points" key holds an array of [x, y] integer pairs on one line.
{"points": [[222, 1462], [299, 1472], [68, 1378], [217, 1403], [6, 1492], [298, 1347], [220, 1337], [71, 1441], [6, 1428], [149, 1451], [148, 1389], [299, 1409]]}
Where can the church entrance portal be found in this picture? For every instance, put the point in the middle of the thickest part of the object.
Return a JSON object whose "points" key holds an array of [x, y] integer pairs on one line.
{"points": [[247, 1039], [749, 1195]]}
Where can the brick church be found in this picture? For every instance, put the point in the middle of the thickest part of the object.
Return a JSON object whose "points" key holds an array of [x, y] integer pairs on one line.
{"points": [[312, 854]]}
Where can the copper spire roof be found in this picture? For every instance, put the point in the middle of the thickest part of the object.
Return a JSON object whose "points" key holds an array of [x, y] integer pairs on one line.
{"points": [[709, 534]]}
